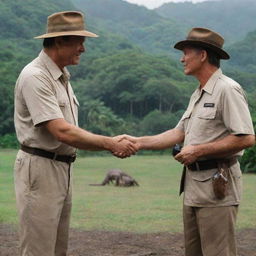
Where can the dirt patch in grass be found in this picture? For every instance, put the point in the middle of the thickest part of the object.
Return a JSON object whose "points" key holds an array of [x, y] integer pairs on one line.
{"points": [[105, 243]]}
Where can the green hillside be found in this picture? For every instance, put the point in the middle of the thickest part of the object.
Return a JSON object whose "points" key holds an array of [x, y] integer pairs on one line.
{"points": [[232, 18], [143, 27], [23, 19]]}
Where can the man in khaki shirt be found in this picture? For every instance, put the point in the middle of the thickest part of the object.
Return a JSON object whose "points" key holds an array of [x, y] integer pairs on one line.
{"points": [[214, 130], [46, 111]]}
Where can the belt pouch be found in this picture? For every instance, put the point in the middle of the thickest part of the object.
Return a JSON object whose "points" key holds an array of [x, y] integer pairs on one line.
{"points": [[220, 181]]}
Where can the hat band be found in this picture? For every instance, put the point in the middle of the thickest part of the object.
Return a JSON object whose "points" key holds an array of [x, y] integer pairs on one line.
{"points": [[208, 41], [67, 27]]}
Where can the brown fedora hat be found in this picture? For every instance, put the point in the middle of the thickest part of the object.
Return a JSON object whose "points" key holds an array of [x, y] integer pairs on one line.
{"points": [[70, 23], [205, 38]]}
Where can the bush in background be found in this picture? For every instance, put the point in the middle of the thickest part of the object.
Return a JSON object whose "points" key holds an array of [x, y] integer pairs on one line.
{"points": [[9, 141]]}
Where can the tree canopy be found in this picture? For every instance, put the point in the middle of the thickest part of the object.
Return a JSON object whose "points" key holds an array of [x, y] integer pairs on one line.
{"points": [[130, 79]]}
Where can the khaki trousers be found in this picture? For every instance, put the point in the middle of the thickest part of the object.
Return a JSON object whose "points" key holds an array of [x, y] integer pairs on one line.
{"points": [[210, 231], [43, 194]]}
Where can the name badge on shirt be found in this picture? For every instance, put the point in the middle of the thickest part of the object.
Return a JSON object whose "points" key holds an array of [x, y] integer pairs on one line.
{"points": [[209, 105]]}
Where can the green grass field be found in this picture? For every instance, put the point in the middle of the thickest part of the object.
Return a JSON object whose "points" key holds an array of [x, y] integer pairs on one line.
{"points": [[154, 206]]}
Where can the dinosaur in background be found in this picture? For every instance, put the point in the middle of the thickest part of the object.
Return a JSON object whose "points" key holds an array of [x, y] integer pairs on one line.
{"points": [[118, 177]]}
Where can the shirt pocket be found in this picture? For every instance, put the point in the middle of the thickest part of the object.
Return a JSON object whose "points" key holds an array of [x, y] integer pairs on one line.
{"points": [[203, 176], [206, 122], [207, 113], [199, 189]]}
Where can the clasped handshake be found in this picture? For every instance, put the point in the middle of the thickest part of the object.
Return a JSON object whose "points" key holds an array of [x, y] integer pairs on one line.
{"points": [[125, 146]]}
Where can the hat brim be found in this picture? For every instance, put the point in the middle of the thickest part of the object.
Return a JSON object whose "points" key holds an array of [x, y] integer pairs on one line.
{"points": [[67, 33], [222, 54]]}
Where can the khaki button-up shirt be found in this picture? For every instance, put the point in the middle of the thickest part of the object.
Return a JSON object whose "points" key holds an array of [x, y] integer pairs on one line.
{"points": [[43, 93], [216, 111]]}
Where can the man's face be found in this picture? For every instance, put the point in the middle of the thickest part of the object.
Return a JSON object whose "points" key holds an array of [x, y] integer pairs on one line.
{"points": [[70, 50], [191, 60]]}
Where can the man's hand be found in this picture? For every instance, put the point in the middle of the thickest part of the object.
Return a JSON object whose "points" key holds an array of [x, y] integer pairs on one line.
{"points": [[188, 155], [222, 148], [132, 139], [124, 146], [160, 141]]}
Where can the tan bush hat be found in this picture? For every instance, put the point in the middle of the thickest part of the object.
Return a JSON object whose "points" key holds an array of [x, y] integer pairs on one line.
{"points": [[70, 23], [206, 38]]}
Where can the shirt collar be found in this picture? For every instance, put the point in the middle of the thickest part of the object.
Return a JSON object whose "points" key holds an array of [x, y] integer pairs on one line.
{"points": [[209, 86], [52, 67]]}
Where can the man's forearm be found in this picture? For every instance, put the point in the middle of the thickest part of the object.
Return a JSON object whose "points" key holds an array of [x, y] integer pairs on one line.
{"points": [[85, 140], [223, 148], [226, 146], [82, 139], [161, 141]]}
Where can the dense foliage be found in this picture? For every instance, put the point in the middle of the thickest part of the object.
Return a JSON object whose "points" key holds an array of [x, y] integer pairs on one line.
{"points": [[132, 84], [143, 27], [127, 81]]}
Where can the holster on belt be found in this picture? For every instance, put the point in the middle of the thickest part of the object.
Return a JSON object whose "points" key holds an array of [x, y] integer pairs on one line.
{"points": [[220, 180]]}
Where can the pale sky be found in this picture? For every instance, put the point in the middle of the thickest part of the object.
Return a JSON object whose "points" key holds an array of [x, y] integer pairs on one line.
{"points": [[151, 4]]}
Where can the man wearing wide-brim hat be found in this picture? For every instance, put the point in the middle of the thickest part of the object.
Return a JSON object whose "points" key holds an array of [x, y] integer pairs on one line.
{"points": [[214, 130], [217, 126], [46, 111]]}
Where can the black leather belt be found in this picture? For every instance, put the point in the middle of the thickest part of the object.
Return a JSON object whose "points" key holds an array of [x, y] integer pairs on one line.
{"points": [[47, 154], [210, 164]]}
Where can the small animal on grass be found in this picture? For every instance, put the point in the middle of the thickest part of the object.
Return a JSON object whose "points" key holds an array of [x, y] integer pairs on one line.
{"points": [[119, 178], [126, 181]]}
